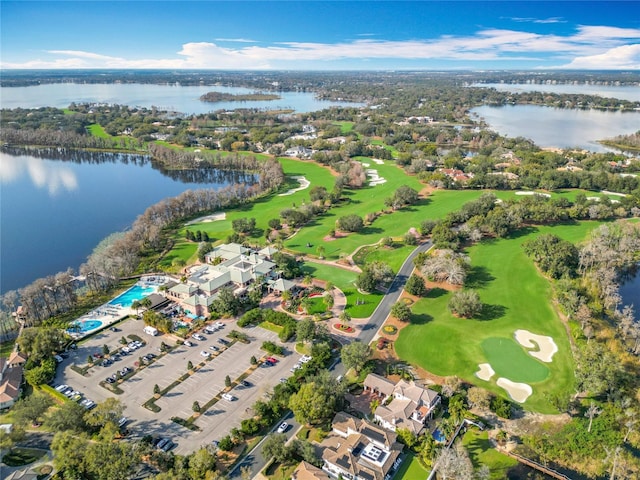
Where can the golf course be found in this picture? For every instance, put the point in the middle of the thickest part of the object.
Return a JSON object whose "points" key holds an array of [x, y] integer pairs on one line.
{"points": [[515, 296]]}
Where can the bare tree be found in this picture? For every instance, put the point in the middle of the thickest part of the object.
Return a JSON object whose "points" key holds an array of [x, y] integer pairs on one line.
{"points": [[591, 413]]}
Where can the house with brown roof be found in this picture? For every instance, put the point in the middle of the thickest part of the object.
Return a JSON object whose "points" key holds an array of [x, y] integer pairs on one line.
{"points": [[306, 471], [11, 379], [404, 404], [359, 450]]}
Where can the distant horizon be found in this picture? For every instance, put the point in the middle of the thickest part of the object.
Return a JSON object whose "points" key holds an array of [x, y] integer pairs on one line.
{"points": [[320, 36]]}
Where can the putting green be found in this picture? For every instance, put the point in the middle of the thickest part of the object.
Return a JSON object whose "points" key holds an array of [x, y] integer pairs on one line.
{"points": [[510, 360]]}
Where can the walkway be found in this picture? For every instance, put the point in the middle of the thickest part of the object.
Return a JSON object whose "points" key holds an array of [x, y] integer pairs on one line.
{"points": [[351, 268]]}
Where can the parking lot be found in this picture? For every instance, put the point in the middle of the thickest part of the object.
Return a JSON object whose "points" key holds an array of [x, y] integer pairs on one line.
{"points": [[202, 386]]}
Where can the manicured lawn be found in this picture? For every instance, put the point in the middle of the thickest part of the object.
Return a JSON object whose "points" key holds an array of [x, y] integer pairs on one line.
{"points": [[345, 127], [97, 131], [317, 305], [508, 359], [481, 453], [516, 296], [411, 470], [393, 256], [344, 280], [569, 193]]}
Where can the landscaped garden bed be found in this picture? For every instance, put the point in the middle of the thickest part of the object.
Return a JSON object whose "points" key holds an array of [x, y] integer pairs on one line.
{"points": [[343, 328]]}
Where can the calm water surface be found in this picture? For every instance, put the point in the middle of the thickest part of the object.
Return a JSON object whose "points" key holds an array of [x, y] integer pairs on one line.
{"points": [[53, 212], [556, 127], [630, 292], [624, 92], [165, 97]]}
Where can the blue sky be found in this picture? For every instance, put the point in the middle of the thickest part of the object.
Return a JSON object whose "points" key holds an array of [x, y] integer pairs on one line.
{"points": [[354, 35]]}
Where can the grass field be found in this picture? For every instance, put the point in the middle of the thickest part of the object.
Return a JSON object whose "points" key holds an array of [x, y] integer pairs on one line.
{"points": [[515, 296], [481, 453], [344, 280], [411, 469], [96, 130]]}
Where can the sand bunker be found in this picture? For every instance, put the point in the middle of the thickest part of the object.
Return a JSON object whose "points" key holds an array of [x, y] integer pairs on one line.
{"points": [[517, 391], [378, 161], [374, 178], [546, 346], [485, 373], [533, 193], [214, 217], [304, 183]]}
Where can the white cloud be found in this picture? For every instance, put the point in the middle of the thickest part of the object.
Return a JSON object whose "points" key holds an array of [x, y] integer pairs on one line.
{"points": [[626, 57], [538, 20], [588, 45], [237, 40]]}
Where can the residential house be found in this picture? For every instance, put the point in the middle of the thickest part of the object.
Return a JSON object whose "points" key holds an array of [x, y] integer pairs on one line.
{"points": [[359, 450], [456, 175], [306, 471], [11, 379], [299, 151], [403, 405]]}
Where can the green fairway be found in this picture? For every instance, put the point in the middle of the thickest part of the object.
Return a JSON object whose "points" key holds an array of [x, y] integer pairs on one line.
{"points": [[515, 296], [97, 131], [262, 210], [511, 361], [371, 200], [393, 256]]}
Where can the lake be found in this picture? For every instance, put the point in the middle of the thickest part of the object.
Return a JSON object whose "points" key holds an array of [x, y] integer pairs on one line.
{"points": [[54, 212], [557, 127], [623, 92], [183, 99]]}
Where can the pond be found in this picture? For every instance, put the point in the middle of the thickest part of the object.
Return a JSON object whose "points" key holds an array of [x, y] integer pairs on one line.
{"points": [[630, 292], [623, 92]]}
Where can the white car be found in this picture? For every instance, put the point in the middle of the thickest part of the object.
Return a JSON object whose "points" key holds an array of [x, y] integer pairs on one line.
{"points": [[187, 343], [305, 358], [205, 354], [228, 396], [197, 336], [283, 427], [219, 325]]}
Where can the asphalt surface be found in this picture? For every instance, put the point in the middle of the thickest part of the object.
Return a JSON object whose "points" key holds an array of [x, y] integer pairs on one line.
{"points": [[255, 460]]}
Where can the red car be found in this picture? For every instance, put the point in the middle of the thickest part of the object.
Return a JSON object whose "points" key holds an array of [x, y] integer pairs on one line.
{"points": [[272, 359], [97, 355]]}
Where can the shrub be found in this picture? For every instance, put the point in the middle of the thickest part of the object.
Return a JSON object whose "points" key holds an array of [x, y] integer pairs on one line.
{"points": [[252, 317], [271, 347], [415, 286], [465, 303], [350, 223], [226, 444]]}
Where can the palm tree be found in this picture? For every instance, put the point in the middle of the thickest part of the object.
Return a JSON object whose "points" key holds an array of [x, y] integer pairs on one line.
{"points": [[136, 305], [373, 406]]}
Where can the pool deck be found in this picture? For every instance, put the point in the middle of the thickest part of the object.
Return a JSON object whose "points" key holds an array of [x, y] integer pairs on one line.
{"points": [[109, 314]]}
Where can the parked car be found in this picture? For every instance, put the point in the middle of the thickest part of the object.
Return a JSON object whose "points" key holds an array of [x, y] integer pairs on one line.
{"points": [[223, 341], [245, 383], [219, 325], [162, 442], [272, 360], [109, 380], [114, 329], [188, 343], [205, 354], [122, 422], [283, 427], [97, 355], [197, 336], [305, 358], [61, 388], [228, 396], [214, 348]]}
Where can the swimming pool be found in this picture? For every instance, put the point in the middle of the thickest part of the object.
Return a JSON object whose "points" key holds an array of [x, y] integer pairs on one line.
{"points": [[84, 326], [136, 292]]}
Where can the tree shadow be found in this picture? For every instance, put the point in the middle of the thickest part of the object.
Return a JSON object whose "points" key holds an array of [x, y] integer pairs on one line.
{"points": [[421, 318], [479, 277], [521, 232], [436, 293], [370, 230], [491, 312]]}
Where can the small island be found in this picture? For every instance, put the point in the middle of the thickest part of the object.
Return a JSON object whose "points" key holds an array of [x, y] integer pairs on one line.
{"points": [[231, 97]]}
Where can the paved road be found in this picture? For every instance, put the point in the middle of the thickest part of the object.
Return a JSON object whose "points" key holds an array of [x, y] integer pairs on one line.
{"points": [[255, 461], [381, 313]]}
